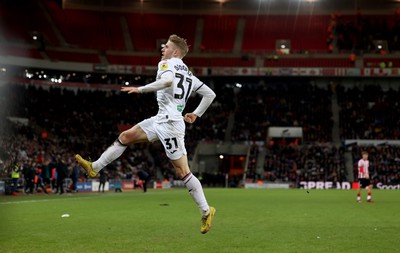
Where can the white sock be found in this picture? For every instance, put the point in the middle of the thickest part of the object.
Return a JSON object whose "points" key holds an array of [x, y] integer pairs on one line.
{"points": [[196, 191], [112, 152], [368, 197], [358, 198]]}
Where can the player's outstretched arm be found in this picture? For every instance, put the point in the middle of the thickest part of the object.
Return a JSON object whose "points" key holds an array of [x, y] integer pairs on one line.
{"points": [[165, 81], [130, 90], [208, 96]]}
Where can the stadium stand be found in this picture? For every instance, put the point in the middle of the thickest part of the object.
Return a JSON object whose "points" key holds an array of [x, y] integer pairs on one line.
{"points": [[88, 29], [133, 60], [145, 29], [20, 28], [309, 62], [100, 112], [359, 32], [305, 163], [377, 62], [365, 113], [219, 61], [71, 110], [283, 104], [73, 56], [369, 113], [103, 31], [225, 26], [261, 32], [71, 120], [384, 163], [13, 50]]}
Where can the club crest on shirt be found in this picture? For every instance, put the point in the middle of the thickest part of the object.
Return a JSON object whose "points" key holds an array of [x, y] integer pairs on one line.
{"points": [[164, 66]]}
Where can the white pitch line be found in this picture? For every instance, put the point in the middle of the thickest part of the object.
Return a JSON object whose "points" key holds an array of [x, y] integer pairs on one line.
{"points": [[40, 200], [73, 198]]}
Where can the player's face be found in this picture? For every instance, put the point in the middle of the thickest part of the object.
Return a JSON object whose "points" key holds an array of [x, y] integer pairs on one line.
{"points": [[365, 156], [168, 50]]}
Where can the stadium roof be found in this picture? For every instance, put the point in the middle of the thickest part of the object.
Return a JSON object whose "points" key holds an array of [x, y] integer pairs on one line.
{"points": [[245, 7]]}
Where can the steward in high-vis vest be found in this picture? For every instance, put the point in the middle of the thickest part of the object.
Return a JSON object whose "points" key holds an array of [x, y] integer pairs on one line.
{"points": [[15, 176]]}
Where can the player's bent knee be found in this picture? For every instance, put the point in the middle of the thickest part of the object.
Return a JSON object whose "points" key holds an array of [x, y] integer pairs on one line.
{"points": [[127, 137], [133, 135], [123, 138], [181, 172]]}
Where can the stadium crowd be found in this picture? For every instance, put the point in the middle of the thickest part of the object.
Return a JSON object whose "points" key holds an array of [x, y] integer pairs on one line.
{"points": [[358, 33], [369, 113], [314, 162], [66, 122], [46, 161], [384, 163], [283, 104], [63, 122]]}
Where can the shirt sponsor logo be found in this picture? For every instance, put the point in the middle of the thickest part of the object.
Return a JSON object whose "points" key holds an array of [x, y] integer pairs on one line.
{"points": [[164, 66]]}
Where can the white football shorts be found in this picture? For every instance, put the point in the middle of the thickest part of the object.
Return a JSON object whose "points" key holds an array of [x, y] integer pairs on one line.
{"points": [[171, 134]]}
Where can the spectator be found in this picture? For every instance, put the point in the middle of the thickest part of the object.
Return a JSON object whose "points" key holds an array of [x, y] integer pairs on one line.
{"points": [[144, 177], [103, 180], [74, 177], [29, 176], [62, 172], [39, 180], [15, 176]]}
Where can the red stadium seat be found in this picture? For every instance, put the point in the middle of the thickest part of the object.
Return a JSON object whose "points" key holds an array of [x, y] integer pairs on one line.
{"points": [[146, 29], [30, 19], [305, 32], [88, 29], [219, 33]]}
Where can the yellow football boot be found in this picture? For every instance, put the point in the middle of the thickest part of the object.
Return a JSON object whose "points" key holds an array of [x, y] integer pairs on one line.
{"points": [[86, 165], [206, 221]]}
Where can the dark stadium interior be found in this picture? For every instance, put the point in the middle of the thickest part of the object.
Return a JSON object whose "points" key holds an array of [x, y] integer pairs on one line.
{"points": [[230, 6], [92, 47]]}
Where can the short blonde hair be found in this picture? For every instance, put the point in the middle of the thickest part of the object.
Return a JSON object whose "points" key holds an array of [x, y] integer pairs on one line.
{"points": [[364, 153], [180, 43]]}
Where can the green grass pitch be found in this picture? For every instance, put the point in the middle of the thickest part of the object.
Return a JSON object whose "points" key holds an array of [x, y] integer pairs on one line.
{"points": [[247, 220]]}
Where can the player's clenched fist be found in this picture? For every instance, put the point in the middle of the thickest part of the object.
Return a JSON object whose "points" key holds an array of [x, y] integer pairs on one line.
{"points": [[190, 117]]}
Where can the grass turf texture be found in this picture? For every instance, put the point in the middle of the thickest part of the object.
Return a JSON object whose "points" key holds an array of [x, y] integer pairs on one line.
{"points": [[247, 220]]}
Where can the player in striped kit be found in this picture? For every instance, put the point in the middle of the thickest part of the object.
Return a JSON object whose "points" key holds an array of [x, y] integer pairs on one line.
{"points": [[363, 177], [173, 86]]}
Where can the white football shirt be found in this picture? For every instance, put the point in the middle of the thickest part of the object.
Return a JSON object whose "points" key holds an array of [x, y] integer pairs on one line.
{"points": [[172, 100]]}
